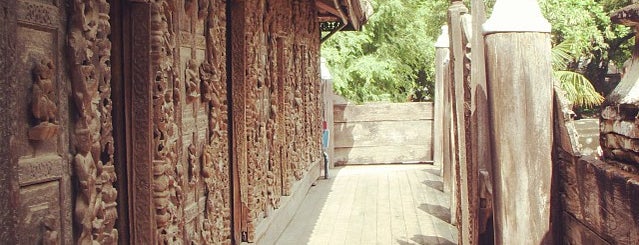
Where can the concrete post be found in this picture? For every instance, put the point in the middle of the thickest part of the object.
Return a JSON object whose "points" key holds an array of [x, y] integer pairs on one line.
{"points": [[442, 123], [520, 99]]}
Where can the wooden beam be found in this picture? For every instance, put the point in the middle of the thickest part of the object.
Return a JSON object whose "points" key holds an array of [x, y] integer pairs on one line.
{"points": [[322, 6]]}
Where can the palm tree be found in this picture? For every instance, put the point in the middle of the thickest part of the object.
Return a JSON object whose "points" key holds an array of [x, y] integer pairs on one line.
{"points": [[578, 88]]}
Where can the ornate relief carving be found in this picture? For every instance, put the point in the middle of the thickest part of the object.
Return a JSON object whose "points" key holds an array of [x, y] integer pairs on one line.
{"points": [[167, 193], [194, 163], [192, 80], [90, 47], [50, 234], [38, 13], [43, 105], [282, 114], [216, 225]]}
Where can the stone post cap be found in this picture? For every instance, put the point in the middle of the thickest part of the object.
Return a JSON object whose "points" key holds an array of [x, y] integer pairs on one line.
{"points": [[443, 41], [628, 16], [516, 16]]}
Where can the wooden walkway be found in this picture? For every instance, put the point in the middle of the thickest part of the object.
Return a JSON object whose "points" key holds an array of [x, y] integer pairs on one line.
{"points": [[378, 204]]}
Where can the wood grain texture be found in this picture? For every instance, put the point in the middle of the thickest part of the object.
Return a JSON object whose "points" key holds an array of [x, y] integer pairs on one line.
{"points": [[383, 112], [521, 104], [466, 169], [480, 132], [603, 198], [363, 131], [377, 204], [382, 133], [382, 154]]}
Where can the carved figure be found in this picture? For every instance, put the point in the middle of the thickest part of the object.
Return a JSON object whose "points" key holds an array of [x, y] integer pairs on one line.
{"points": [[209, 78], [90, 50], [50, 236], [192, 81], [194, 165], [86, 172], [43, 107]]}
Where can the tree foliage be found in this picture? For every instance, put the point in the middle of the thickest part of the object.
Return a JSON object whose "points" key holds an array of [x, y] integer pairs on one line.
{"points": [[594, 42], [392, 58]]}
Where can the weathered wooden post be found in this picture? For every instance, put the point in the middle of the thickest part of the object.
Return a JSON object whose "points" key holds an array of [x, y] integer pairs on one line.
{"points": [[457, 54], [442, 122], [520, 99], [480, 128]]}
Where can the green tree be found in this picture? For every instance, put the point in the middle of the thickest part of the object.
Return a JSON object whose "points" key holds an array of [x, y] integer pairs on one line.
{"points": [[391, 59], [593, 42], [578, 88]]}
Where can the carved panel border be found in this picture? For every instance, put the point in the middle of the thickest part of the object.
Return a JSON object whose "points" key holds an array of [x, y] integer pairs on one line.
{"points": [[8, 202], [143, 222]]}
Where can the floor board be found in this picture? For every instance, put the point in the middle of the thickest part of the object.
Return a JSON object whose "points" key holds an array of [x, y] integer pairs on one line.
{"points": [[374, 204]]}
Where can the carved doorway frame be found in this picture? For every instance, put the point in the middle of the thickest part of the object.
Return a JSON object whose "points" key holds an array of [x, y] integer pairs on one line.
{"points": [[133, 120]]}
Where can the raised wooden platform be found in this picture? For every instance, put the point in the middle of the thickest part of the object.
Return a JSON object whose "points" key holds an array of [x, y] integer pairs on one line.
{"points": [[374, 204]]}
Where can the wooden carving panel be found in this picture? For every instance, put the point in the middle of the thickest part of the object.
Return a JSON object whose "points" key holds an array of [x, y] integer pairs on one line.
{"points": [[216, 225], [168, 194], [43, 187], [280, 90], [255, 89], [90, 53], [203, 116]]}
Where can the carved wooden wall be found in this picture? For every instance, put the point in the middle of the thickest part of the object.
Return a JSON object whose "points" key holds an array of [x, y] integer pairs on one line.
{"points": [[277, 105], [36, 184], [118, 118], [185, 42]]}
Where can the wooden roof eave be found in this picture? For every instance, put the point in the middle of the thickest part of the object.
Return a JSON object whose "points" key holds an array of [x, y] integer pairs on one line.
{"points": [[351, 13]]}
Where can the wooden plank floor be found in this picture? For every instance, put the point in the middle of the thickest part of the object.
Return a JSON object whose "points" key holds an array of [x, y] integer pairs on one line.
{"points": [[375, 204]]}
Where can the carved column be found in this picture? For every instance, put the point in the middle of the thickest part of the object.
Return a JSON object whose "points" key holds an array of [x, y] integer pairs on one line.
{"points": [[521, 103]]}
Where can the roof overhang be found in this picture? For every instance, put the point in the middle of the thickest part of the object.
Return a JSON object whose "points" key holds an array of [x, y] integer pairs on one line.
{"points": [[347, 15]]}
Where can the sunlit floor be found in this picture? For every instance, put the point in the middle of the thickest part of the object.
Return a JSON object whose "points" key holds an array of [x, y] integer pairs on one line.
{"points": [[380, 204]]}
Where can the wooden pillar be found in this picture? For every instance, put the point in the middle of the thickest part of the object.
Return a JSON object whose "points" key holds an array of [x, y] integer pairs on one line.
{"points": [[455, 12], [441, 124], [521, 103], [480, 130]]}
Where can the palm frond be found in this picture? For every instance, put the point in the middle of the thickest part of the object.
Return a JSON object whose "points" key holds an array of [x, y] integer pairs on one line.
{"points": [[562, 55], [578, 89]]}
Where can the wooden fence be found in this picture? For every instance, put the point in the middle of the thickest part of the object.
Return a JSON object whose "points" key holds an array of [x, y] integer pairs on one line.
{"points": [[382, 133]]}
